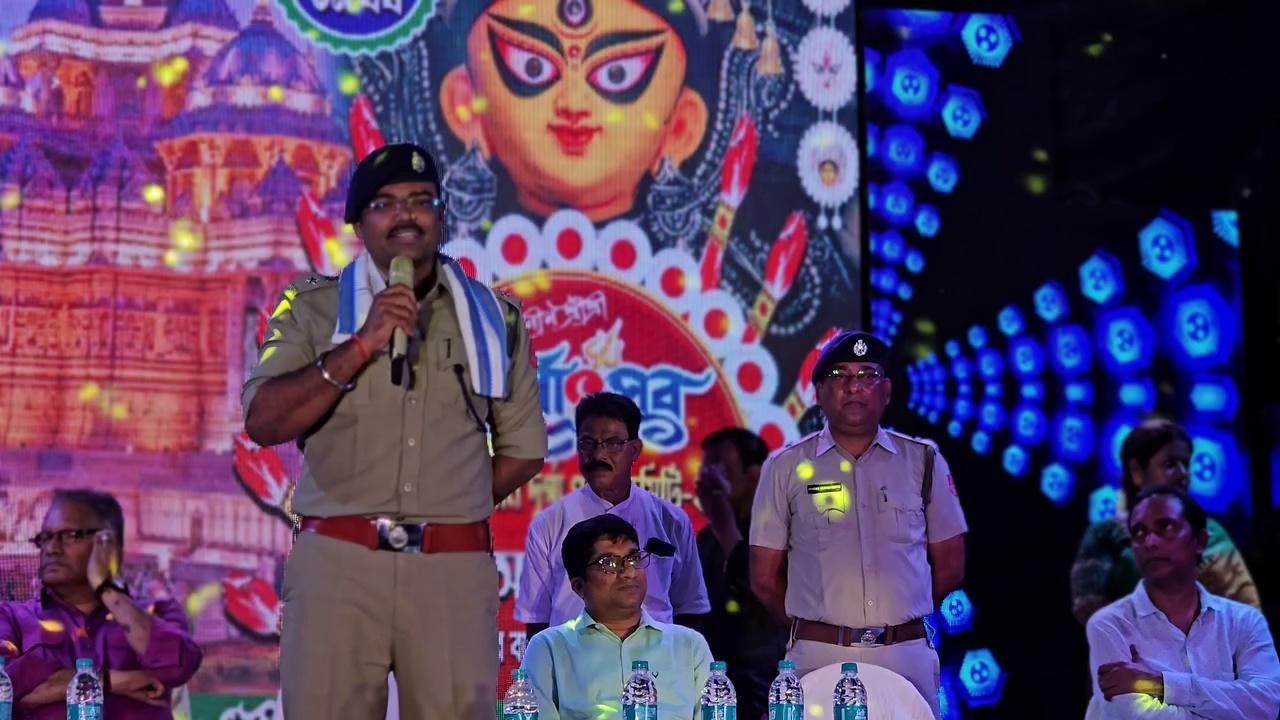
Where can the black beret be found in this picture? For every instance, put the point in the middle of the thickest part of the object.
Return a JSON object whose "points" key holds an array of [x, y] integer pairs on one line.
{"points": [[389, 164], [850, 347]]}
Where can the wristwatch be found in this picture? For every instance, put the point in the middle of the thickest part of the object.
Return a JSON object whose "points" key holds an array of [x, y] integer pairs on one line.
{"points": [[111, 584]]}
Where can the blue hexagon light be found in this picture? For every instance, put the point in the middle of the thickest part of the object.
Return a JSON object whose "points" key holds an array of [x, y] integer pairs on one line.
{"points": [[871, 67], [1057, 483], [1073, 435], [981, 678], [1217, 469], [898, 203], [1051, 302], [988, 39], [1126, 339], [948, 702], [1202, 325], [1103, 503], [977, 336], [1026, 356], [991, 416], [903, 150], [913, 83], [889, 245], [943, 173], [1101, 277], [1015, 461], [1167, 246], [1028, 424], [1226, 225], [1070, 350], [927, 221], [1137, 395], [1011, 320], [956, 612], [914, 262], [963, 112], [990, 364], [980, 442], [872, 142], [1114, 431], [1215, 396]]}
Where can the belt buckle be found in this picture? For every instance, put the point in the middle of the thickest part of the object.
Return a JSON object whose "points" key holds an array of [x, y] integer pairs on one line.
{"points": [[399, 536], [871, 637]]}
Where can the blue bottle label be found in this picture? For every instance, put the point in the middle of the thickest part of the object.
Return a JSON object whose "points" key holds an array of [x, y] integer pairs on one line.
{"points": [[786, 711], [86, 711], [719, 712], [851, 712], [6, 711], [642, 712], [520, 716]]}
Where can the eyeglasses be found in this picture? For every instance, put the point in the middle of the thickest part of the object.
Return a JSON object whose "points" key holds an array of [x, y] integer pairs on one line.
{"points": [[587, 445], [417, 203], [864, 378], [70, 535], [612, 564]]}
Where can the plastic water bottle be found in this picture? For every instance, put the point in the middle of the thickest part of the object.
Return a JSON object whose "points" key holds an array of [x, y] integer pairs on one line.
{"points": [[786, 697], [850, 698], [520, 703], [640, 694], [84, 694], [6, 693], [719, 699]]}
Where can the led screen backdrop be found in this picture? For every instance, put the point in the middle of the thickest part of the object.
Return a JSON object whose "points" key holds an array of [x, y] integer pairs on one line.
{"points": [[1034, 325], [667, 186]]}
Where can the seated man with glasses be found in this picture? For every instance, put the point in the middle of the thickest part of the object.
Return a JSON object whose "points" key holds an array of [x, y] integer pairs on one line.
{"points": [[608, 427], [141, 649], [577, 669]]}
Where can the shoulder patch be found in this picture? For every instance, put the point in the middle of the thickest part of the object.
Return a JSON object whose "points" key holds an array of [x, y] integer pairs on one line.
{"points": [[787, 447]]}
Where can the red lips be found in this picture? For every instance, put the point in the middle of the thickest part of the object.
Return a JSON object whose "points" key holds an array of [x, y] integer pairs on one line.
{"points": [[574, 139]]}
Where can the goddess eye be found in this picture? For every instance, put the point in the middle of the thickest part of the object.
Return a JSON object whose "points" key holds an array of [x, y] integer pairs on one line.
{"points": [[622, 74], [528, 66]]}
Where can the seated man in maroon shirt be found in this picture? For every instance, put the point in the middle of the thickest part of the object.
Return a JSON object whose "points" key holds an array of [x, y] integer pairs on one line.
{"points": [[142, 649]]}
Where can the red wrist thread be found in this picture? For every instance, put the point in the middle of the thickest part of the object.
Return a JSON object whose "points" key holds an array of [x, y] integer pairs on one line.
{"points": [[364, 351]]}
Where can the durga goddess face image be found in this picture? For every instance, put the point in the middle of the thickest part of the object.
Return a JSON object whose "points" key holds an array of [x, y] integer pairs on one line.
{"points": [[577, 100]]}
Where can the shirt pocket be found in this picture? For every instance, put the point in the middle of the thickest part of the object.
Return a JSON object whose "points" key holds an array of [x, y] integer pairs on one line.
{"points": [[901, 516], [819, 511], [449, 381]]}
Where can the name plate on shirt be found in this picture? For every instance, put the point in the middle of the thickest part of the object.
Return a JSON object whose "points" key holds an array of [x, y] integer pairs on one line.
{"points": [[824, 488]]}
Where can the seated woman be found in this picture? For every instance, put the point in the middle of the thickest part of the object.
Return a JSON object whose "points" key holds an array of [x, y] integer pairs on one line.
{"points": [[1156, 452]]}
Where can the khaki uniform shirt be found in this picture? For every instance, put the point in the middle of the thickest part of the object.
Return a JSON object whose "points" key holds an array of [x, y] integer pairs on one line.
{"points": [[382, 450], [855, 530]]}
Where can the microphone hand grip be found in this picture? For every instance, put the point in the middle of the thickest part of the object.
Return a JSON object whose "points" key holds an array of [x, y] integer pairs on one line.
{"points": [[401, 274]]}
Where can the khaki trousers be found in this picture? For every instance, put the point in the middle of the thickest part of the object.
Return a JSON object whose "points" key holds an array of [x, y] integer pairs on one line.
{"points": [[352, 615], [913, 660]]}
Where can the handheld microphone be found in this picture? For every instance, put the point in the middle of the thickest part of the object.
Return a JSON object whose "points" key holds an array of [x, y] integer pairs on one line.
{"points": [[401, 274]]}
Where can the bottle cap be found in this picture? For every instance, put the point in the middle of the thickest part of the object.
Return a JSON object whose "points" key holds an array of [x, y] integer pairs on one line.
{"points": [[786, 664], [719, 665], [519, 674], [2, 659], [84, 663], [639, 664], [848, 667]]}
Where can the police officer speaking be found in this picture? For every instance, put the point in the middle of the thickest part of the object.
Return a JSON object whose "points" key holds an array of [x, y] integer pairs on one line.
{"points": [[857, 531], [393, 565]]}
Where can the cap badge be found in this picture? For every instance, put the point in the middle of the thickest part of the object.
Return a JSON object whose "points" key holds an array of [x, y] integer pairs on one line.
{"points": [[860, 348], [419, 165]]}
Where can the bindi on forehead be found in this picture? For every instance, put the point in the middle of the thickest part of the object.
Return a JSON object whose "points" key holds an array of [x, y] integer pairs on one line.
{"points": [[574, 14]]}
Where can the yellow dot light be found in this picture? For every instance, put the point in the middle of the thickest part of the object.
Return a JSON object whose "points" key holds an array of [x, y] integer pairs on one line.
{"points": [[119, 411], [172, 258], [153, 193], [804, 470], [349, 84], [10, 200], [89, 392], [275, 93]]}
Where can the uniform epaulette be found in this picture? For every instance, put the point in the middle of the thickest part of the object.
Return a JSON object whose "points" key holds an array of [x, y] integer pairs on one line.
{"points": [[507, 297], [788, 446], [912, 438], [307, 282]]}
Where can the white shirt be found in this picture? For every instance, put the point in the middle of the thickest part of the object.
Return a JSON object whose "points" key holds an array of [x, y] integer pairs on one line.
{"points": [[1225, 667], [675, 583]]}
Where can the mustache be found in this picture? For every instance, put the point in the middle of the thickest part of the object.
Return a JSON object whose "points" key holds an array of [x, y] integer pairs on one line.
{"points": [[597, 465], [406, 226]]}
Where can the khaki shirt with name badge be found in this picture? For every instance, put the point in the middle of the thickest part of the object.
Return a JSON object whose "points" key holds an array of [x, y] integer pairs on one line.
{"points": [[855, 530], [382, 450]]}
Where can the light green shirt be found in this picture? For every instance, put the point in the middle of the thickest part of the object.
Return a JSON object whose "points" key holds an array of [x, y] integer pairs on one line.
{"points": [[578, 669]]}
